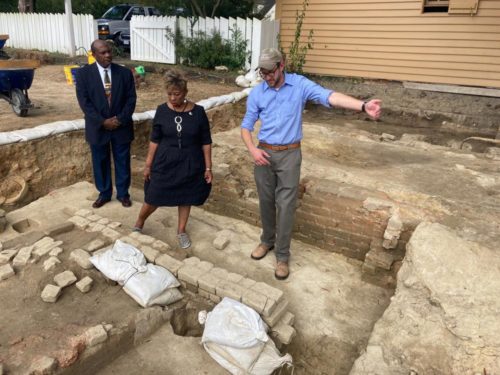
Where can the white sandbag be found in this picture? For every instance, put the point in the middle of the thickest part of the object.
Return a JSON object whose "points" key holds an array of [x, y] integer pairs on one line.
{"points": [[120, 262], [262, 359], [149, 283], [168, 297], [234, 324], [251, 75], [242, 81]]}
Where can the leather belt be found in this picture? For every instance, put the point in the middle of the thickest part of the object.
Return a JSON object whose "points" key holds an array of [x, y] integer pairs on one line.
{"points": [[279, 147]]}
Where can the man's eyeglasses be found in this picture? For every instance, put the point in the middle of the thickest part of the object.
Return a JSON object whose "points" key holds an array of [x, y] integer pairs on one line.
{"points": [[264, 73]]}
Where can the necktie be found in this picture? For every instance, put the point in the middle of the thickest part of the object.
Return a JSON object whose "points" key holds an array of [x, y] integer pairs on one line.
{"points": [[107, 86]]}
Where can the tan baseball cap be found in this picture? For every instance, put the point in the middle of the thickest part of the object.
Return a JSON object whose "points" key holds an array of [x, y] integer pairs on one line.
{"points": [[269, 58]]}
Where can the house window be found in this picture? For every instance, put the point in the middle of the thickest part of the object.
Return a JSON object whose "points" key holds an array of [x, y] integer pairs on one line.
{"points": [[436, 6], [450, 6]]}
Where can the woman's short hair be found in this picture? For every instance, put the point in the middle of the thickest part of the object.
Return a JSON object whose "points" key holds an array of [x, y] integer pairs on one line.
{"points": [[174, 78]]}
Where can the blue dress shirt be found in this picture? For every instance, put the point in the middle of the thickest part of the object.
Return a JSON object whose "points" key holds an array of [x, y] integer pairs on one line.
{"points": [[280, 110]]}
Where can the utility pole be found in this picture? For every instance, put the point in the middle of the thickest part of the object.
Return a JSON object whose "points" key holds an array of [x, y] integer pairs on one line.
{"points": [[69, 27]]}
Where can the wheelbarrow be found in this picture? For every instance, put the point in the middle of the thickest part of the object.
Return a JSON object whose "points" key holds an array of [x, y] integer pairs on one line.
{"points": [[3, 39], [16, 77]]}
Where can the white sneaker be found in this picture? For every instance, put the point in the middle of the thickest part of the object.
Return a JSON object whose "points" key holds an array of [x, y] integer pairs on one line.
{"points": [[184, 241]]}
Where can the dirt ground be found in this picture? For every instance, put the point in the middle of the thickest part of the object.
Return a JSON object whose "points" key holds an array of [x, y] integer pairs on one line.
{"points": [[55, 100]]}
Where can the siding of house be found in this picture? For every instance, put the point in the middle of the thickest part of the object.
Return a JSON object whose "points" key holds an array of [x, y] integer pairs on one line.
{"points": [[393, 39]]}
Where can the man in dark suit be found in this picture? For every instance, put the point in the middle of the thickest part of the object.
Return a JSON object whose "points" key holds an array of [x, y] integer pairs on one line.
{"points": [[106, 94]]}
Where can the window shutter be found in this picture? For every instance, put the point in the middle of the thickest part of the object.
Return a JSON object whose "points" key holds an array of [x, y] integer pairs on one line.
{"points": [[463, 6]]}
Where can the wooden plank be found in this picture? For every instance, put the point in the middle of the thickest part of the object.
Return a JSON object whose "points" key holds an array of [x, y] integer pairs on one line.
{"points": [[19, 64], [466, 90]]}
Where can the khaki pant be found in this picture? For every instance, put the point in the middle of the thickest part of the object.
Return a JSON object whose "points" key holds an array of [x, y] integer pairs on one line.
{"points": [[277, 186]]}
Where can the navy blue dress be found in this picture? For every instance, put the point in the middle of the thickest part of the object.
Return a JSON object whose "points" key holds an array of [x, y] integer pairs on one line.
{"points": [[178, 169]]}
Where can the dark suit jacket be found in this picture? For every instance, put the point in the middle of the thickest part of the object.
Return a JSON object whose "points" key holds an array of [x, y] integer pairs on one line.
{"points": [[93, 102]]}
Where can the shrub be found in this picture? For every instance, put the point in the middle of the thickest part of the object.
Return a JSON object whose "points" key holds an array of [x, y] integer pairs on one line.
{"points": [[209, 51]]}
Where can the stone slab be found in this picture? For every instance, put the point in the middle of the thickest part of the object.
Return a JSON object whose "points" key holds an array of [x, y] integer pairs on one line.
{"points": [[229, 289], [79, 221], [82, 258], [51, 293], [254, 300], [170, 263], [50, 263], [269, 291], [190, 274], [277, 314], [65, 279], [7, 255], [85, 284], [65, 227], [150, 253], [96, 335], [22, 257], [208, 282], [6, 271], [95, 245]]}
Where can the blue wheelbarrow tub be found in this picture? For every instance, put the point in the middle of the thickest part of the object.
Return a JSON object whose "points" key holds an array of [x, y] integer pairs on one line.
{"points": [[16, 79], [17, 74], [3, 39]]}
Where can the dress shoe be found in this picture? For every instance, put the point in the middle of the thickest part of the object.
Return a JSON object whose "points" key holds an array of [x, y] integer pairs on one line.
{"points": [[126, 202], [100, 202], [282, 271], [261, 251]]}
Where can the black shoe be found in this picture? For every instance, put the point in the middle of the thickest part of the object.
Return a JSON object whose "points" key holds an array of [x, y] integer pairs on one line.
{"points": [[126, 202], [100, 202]]}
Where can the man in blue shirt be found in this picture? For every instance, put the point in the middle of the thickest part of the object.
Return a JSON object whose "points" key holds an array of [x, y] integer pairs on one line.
{"points": [[278, 102]]}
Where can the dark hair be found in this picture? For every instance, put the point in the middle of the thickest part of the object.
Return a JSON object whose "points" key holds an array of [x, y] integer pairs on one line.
{"points": [[174, 78]]}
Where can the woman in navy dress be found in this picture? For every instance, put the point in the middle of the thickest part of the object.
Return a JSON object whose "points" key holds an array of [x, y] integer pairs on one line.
{"points": [[178, 169]]}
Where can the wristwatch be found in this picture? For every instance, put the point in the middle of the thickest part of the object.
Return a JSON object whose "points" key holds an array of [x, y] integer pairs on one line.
{"points": [[363, 109]]}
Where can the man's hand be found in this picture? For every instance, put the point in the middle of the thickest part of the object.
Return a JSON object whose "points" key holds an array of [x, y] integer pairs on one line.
{"points": [[260, 156], [111, 123], [147, 173], [373, 109]]}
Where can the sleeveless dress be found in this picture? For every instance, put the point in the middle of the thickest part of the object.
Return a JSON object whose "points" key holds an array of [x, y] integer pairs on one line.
{"points": [[178, 168]]}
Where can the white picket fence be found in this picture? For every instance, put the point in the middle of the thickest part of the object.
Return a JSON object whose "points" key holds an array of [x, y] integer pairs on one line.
{"points": [[149, 41], [47, 32], [148, 35]]}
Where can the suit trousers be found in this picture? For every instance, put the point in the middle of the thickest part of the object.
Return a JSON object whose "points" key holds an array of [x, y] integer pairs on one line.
{"points": [[101, 164], [277, 187]]}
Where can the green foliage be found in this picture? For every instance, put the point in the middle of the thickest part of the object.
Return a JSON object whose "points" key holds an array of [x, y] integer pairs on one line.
{"points": [[209, 51], [297, 51]]}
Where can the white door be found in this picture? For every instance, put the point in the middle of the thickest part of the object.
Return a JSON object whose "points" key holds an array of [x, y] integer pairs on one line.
{"points": [[150, 39]]}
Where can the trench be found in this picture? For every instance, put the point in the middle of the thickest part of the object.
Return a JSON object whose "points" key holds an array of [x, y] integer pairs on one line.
{"points": [[353, 232]]}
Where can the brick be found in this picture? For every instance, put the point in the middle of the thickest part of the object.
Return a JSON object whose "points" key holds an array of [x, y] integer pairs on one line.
{"points": [[150, 253], [45, 249], [94, 217], [43, 366], [208, 282], [103, 221], [42, 242], [94, 227], [221, 240], [247, 283], [82, 258], [190, 274], [84, 284], [144, 239], [112, 234], [131, 241], [255, 300], [277, 314], [55, 251], [7, 255], [65, 227], [287, 319], [50, 263], [169, 263], [228, 289], [269, 291], [160, 245], [284, 333], [84, 212], [191, 261], [270, 307], [234, 277], [215, 298], [6, 271], [95, 245], [96, 335], [65, 279], [22, 257], [380, 259], [79, 221], [114, 225], [221, 273], [203, 294], [206, 266], [51, 293]]}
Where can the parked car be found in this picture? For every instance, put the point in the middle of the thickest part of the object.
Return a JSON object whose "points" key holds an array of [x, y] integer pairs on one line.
{"points": [[115, 23]]}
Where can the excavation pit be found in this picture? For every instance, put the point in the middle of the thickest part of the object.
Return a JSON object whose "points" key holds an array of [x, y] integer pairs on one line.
{"points": [[358, 193]]}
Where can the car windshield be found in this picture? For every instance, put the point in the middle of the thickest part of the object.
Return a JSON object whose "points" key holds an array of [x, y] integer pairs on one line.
{"points": [[117, 12]]}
